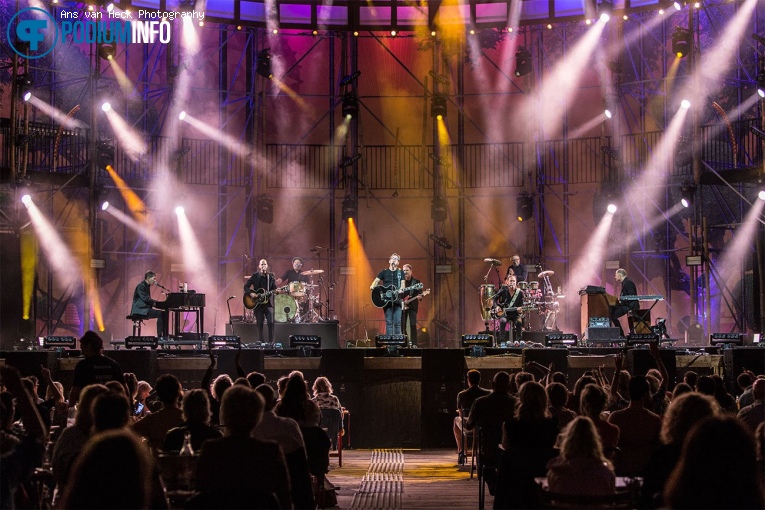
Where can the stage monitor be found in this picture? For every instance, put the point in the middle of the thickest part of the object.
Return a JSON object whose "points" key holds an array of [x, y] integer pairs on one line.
{"points": [[726, 339], [305, 341], [385, 340], [141, 341], [561, 340], [218, 341], [482, 339], [642, 338], [53, 342]]}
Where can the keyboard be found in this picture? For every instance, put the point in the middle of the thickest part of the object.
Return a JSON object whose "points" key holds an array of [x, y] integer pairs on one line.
{"points": [[647, 297]]}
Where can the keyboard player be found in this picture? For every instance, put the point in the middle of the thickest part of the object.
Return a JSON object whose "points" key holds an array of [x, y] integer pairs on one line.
{"points": [[623, 306], [144, 305]]}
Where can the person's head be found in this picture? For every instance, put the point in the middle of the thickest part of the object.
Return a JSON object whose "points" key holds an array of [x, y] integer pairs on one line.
{"points": [[557, 394], [112, 471], [473, 377], [49, 394], [580, 439], [196, 407], [559, 377], [256, 379], [91, 344], [144, 388], [744, 380], [169, 390], [150, 277], [407, 271], [690, 378], [296, 389], [219, 386], [511, 281], [516, 260], [31, 384], [522, 377], [620, 275], [593, 401], [705, 385], [269, 396], [240, 410], [683, 413], [639, 389], [132, 384], [532, 402], [653, 383], [758, 389], [501, 382], [84, 417], [321, 385], [717, 468], [263, 266], [116, 387], [111, 410], [680, 389], [394, 260], [281, 385], [297, 263], [243, 381], [8, 408]]}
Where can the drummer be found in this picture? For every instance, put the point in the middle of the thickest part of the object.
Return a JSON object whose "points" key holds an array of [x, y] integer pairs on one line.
{"points": [[518, 269], [293, 275]]}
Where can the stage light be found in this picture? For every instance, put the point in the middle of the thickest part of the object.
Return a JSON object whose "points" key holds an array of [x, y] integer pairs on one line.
{"points": [[761, 92], [349, 161], [179, 210], [438, 106], [611, 208], [187, 5], [661, 11], [347, 80], [687, 193], [105, 206], [393, 33], [264, 64], [182, 115], [605, 9], [678, 6], [685, 104], [432, 33], [350, 208], [106, 107], [264, 209], [761, 195], [314, 32], [26, 200], [608, 114], [524, 206], [522, 61], [275, 31], [438, 209], [682, 41], [355, 33], [107, 50], [24, 84], [350, 105], [27, 96]]}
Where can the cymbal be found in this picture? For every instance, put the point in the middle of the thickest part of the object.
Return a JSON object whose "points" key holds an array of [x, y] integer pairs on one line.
{"points": [[545, 273], [312, 272], [493, 262]]}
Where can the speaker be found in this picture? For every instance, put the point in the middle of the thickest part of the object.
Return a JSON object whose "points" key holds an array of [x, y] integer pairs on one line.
{"points": [[738, 358], [538, 337], [534, 357], [248, 332], [142, 363], [639, 361], [602, 335], [442, 379]]}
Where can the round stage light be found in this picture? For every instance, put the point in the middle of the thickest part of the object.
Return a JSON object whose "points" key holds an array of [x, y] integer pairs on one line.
{"points": [[26, 200], [761, 195], [611, 208], [106, 106], [608, 114], [105, 206], [182, 115], [179, 210], [685, 104]]}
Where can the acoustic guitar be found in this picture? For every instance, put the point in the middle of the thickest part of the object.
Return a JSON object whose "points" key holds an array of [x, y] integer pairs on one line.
{"points": [[261, 298], [382, 295]]}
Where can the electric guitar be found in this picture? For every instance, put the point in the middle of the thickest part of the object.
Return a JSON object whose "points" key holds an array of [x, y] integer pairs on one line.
{"points": [[382, 295], [261, 297], [409, 299]]}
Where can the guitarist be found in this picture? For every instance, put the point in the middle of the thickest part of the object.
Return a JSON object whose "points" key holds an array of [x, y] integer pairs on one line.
{"points": [[393, 276], [509, 296], [412, 300], [262, 281]]}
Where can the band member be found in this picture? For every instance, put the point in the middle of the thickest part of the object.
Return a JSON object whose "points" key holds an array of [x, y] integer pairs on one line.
{"points": [[262, 281], [143, 304], [293, 275], [507, 303], [622, 307], [393, 276], [518, 269], [412, 300]]}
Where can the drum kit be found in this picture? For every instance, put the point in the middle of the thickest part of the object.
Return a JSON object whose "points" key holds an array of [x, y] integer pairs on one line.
{"points": [[301, 304], [544, 300]]}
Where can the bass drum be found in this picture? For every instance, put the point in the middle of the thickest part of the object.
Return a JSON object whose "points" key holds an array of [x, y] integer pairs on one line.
{"points": [[285, 308], [486, 294]]}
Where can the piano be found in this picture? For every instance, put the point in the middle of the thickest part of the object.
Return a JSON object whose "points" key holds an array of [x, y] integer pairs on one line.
{"points": [[179, 303]]}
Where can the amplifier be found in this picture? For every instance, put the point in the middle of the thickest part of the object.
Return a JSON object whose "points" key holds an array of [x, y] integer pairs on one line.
{"points": [[602, 334], [599, 322]]}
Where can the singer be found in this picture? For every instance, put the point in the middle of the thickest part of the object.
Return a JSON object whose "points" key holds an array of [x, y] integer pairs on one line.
{"points": [[143, 304], [263, 283]]}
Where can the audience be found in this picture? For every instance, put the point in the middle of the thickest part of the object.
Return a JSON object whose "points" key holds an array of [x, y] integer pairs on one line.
{"points": [[581, 469], [717, 468], [754, 414], [154, 426], [490, 412], [532, 426], [557, 394], [592, 405], [465, 399], [323, 396], [196, 422], [295, 403], [95, 368], [725, 399], [576, 397], [744, 381], [285, 431]]}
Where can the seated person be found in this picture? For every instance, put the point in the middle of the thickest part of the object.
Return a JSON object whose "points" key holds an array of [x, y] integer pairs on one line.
{"points": [[143, 304], [196, 421]]}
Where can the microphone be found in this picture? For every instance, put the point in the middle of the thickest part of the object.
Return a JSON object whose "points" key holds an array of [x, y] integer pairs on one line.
{"points": [[245, 255]]}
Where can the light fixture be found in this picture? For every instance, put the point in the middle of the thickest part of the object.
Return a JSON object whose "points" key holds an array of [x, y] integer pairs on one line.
{"points": [[393, 33], [182, 115], [26, 200], [24, 85], [522, 61], [761, 195], [678, 6], [350, 105], [187, 5], [607, 113], [611, 208], [179, 210], [264, 209], [105, 205], [349, 161], [347, 80], [524, 206], [685, 104], [350, 208], [682, 41], [106, 106], [263, 67], [439, 209], [605, 8], [107, 50], [441, 241], [438, 106], [687, 192]]}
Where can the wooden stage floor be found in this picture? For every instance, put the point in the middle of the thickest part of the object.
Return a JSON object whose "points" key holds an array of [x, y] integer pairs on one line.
{"points": [[408, 479]]}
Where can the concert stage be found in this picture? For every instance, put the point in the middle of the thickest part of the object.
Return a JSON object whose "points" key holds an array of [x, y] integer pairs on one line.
{"points": [[397, 401]]}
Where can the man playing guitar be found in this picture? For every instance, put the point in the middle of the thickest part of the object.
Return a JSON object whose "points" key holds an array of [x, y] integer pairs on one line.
{"points": [[393, 276], [412, 300], [258, 285], [508, 303]]}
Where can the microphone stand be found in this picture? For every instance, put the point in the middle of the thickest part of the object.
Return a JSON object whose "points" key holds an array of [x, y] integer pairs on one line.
{"points": [[228, 305], [366, 333]]}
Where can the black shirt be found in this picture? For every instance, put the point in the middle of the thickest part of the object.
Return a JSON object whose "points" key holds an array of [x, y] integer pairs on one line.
{"points": [[97, 370], [294, 276], [260, 282]]}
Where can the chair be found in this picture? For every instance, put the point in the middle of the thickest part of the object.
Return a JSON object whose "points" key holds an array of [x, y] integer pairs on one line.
{"points": [[332, 423], [176, 474], [487, 461], [317, 446], [620, 499], [137, 322], [639, 320], [518, 467], [465, 435], [300, 479]]}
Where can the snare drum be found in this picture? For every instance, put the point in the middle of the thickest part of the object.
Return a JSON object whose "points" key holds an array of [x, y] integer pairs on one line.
{"points": [[523, 286], [285, 307], [297, 289]]}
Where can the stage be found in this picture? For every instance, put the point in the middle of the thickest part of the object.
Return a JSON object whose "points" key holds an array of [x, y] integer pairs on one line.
{"points": [[397, 401]]}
